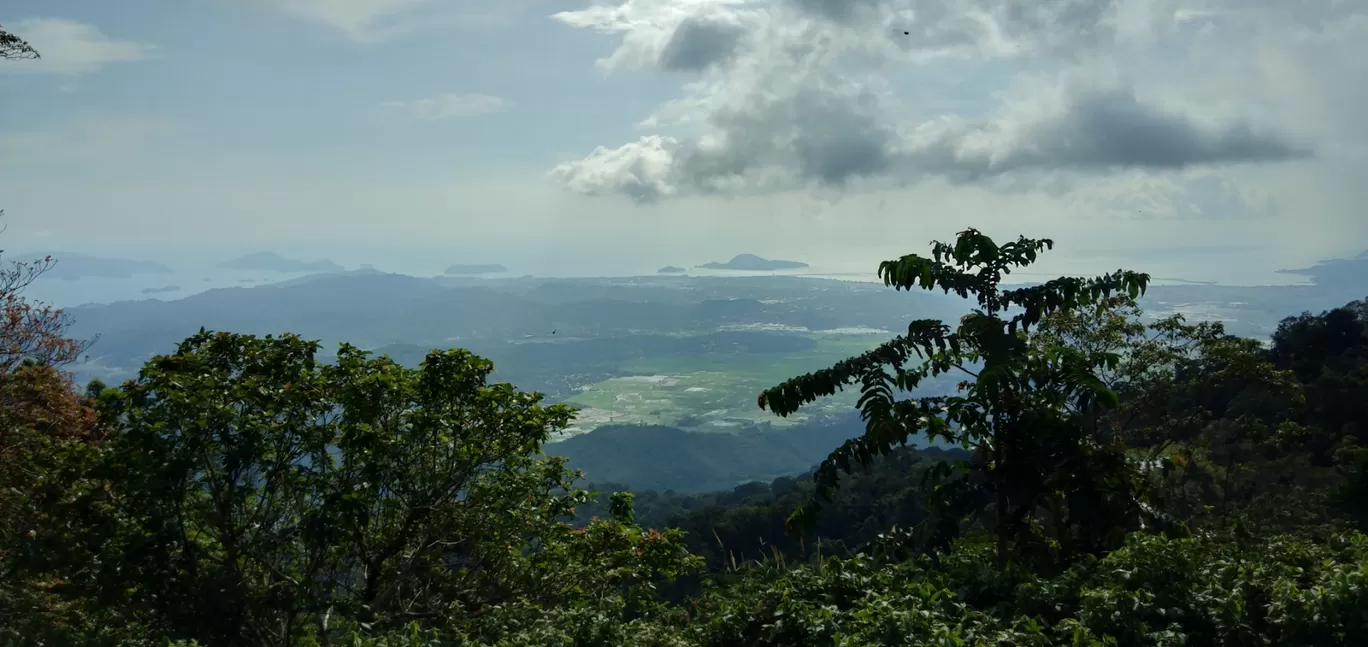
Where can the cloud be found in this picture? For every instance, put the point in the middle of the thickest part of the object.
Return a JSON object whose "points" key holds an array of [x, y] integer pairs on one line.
{"points": [[830, 136], [815, 93], [450, 105], [699, 42], [673, 35], [72, 48], [641, 170], [1087, 128]]}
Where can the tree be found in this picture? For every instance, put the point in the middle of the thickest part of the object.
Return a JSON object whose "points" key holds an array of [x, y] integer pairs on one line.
{"points": [[13, 48], [1207, 419], [265, 498], [46, 432], [1028, 412], [49, 442], [1328, 353]]}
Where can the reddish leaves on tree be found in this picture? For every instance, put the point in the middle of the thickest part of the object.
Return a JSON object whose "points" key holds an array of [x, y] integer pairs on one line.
{"points": [[28, 330], [38, 407]]}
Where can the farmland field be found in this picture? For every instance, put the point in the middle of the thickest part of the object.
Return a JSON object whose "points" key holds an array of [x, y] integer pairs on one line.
{"points": [[716, 392]]}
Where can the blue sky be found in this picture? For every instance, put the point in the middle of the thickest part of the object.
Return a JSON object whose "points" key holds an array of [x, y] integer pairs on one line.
{"points": [[625, 134]]}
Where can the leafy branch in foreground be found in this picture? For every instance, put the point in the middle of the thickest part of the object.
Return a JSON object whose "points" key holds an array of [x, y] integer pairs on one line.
{"points": [[15, 48], [1028, 412]]}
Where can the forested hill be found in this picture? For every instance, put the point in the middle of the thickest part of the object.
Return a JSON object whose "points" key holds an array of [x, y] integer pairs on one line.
{"points": [[669, 458]]}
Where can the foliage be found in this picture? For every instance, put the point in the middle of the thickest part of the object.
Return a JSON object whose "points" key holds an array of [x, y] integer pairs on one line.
{"points": [[12, 47], [263, 498], [48, 435], [1028, 414], [30, 331], [1328, 353], [1207, 419], [1153, 591], [746, 524]]}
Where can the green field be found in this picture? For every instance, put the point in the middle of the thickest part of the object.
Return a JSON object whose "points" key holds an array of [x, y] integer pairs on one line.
{"points": [[713, 393]]}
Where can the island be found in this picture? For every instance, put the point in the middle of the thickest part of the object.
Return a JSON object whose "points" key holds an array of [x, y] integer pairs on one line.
{"points": [[471, 270], [753, 263], [166, 288], [71, 266], [1335, 272], [270, 262], [670, 269]]}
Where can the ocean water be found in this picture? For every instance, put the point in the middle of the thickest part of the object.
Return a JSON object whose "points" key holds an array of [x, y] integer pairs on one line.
{"points": [[66, 293]]}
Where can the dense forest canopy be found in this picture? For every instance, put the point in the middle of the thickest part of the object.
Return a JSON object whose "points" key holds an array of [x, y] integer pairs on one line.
{"points": [[1103, 481]]}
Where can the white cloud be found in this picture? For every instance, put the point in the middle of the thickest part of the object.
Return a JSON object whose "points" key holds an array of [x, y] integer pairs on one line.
{"points": [[817, 93], [450, 105], [72, 48]]}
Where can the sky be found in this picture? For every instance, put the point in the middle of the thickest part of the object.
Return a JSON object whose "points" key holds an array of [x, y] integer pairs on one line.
{"points": [[1210, 139]]}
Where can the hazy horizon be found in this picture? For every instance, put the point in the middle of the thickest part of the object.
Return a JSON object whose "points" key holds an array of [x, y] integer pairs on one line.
{"points": [[195, 279], [1221, 265]]}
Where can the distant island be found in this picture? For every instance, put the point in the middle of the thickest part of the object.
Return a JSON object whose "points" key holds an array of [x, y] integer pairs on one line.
{"points": [[469, 270], [753, 263], [270, 262], [1335, 272], [670, 269], [166, 288], [71, 266]]}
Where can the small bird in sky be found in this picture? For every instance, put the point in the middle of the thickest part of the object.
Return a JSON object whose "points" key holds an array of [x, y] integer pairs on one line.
{"points": [[553, 332]]}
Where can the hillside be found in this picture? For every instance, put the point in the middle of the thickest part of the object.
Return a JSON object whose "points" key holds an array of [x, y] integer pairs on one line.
{"points": [[667, 458]]}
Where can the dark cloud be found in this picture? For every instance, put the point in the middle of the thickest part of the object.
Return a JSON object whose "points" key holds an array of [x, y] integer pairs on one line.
{"points": [[699, 43], [1114, 129], [836, 139], [821, 134], [1093, 131], [838, 10], [1058, 25]]}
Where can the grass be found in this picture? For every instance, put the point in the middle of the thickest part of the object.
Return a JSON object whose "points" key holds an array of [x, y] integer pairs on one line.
{"points": [[713, 393]]}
